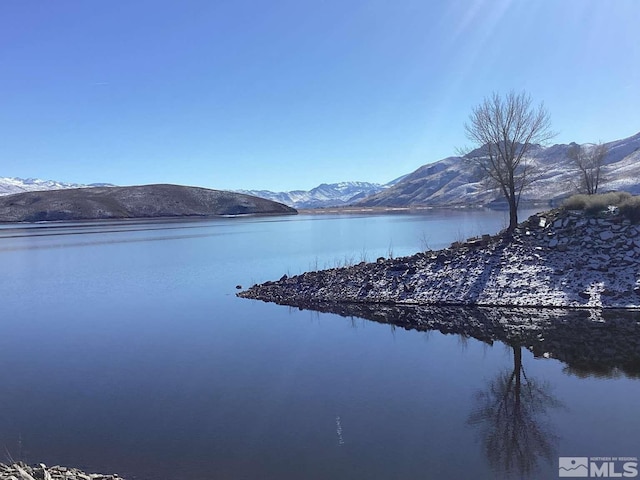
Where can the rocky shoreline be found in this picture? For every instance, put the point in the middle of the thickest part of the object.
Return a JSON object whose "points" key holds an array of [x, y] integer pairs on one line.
{"points": [[21, 471], [559, 258]]}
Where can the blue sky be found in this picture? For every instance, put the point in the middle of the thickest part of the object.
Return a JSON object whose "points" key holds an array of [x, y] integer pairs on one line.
{"points": [[280, 95]]}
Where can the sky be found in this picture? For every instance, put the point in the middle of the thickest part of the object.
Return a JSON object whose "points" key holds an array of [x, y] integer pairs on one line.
{"points": [[288, 94]]}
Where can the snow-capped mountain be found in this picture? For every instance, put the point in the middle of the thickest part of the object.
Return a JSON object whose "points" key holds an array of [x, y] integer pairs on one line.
{"points": [[448, 182], [324, 195], [10, 185], [452, 181]]}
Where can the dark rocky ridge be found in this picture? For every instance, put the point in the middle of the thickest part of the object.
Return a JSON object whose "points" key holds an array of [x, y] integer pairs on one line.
{"points": [[143, 201], [556, 259]]}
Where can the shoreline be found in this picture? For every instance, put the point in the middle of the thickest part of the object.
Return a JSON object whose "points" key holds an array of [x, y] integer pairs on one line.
{"points": [[22, 471], [148, 219], [554, 259], [354, 210]]}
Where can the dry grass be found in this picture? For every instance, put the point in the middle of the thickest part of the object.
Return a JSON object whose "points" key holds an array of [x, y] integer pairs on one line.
{"points": [[627, 204]]}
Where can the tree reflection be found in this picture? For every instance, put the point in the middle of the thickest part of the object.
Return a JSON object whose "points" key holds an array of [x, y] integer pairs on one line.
{"points": [[508, 413]]}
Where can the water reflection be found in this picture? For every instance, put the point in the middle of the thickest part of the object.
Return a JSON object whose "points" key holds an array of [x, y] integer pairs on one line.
{"points": [[510, 416], [602, 343]]}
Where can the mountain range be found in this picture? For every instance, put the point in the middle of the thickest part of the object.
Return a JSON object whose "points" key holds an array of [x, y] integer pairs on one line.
{"points": [[11, 185], [452, 181], [448, 182], [324, 195]]}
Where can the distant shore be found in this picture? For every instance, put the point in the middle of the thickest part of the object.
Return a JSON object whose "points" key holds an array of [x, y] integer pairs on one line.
{"points": [[354, 209], [371, 210]]}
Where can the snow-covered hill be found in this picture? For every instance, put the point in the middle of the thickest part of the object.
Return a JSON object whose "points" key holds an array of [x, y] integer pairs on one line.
{"points": [[324, 195], [452, 181], [10, 185]]}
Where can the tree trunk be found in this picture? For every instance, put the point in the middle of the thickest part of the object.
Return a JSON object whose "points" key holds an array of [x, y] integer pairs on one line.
{"points": [[517, 370], [513, 214]]}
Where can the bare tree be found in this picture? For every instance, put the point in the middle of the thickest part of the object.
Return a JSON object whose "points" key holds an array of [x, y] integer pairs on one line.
{"points": [[589, 159], [505, 129], [510, 415]]}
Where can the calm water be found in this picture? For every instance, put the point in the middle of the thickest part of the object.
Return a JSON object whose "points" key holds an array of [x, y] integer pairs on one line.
{"points": [[124, 349]]}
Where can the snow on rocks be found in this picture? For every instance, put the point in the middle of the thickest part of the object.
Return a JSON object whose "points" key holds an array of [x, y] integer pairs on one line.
{"points": [[555, 259], [21, 471]]}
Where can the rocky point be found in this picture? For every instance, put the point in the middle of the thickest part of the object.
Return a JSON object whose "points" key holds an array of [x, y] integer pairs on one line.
{"points": [[560, 258]]}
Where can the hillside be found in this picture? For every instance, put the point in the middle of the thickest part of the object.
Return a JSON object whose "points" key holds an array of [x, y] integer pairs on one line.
{"points": [[131, 202], [451, 181]]}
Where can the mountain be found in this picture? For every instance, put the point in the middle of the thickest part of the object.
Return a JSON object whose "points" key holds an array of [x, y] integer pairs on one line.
{"points": [[452, 182], [145, 201], [10, 185], [324, 195]]}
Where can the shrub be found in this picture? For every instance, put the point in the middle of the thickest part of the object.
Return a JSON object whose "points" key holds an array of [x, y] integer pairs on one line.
{"points": [[616, 198], [576, 202], [630, 208], [594, 204], [597, 204]]}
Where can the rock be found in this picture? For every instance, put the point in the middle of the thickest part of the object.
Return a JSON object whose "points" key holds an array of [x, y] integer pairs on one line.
{"points": [[606, 235]]}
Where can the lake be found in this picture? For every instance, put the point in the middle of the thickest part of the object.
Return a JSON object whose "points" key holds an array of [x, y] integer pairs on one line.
{"points": [[125, 350]]}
